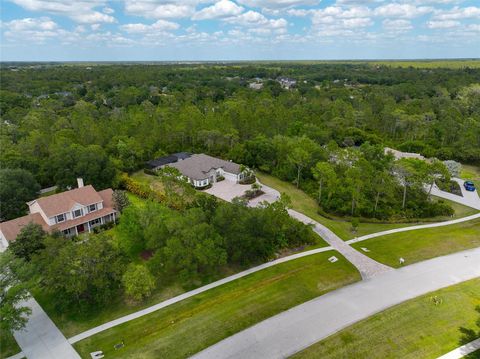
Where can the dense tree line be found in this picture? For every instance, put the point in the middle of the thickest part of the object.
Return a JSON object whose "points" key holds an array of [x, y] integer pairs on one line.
{"points": [[61, 122], [183, 247]]}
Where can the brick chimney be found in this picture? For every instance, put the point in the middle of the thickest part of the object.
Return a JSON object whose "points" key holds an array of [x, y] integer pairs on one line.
{"points": [[80, 182]]}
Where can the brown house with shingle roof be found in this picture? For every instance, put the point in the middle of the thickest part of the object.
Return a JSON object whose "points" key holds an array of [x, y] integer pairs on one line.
{"points": [[72, 212]]}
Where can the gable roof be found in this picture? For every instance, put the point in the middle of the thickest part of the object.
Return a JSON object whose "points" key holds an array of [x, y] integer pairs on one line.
{"points": [[197, 166], [107, 197], [11, 229], [63, 202]]}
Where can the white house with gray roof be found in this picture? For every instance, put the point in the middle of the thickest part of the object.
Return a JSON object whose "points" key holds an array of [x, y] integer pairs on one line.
{"points": [[202, 170]]}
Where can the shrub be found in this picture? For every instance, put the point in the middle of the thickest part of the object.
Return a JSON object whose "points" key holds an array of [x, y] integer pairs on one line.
{"points": [[138, 282], [249, 180]]}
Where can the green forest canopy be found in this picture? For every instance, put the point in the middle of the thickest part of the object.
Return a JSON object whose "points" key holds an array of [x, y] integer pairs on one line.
{"points": [[64, 121]]}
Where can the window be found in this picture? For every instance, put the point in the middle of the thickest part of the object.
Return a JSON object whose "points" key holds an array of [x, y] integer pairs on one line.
{"points": [[92, 207], [77, 213], [94, 222], [68, 231], [60, 218]]}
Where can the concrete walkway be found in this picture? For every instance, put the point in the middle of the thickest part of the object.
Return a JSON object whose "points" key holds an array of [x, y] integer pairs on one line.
{"points": [[296, 329], [460, 352], [367, 267], [41, 339], [413, 228]]}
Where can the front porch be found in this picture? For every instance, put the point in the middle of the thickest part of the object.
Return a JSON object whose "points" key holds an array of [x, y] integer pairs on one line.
{"points": [[88, 226]]}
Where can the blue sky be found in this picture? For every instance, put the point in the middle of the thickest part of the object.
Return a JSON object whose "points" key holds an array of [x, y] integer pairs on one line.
{"points": [[162, 30]]}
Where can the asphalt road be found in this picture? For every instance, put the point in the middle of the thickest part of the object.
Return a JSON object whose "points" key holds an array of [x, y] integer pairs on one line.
{"points": [[293, 330]]}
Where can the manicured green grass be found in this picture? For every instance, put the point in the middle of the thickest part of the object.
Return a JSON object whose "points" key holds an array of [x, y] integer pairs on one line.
{"points": [[460, 209], [422, 244], [307, 205], [8, 345], [415, 329], [189, 326]]}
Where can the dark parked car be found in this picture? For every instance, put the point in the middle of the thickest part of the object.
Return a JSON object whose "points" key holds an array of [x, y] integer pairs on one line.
{"points": [[469, 186]]}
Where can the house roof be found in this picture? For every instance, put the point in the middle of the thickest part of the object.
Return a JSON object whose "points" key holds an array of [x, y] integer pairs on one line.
{"points": [[11, 229], [165, 160], [161, 161], [107, 197], [182, 155], [63, 202], [197, 166]]}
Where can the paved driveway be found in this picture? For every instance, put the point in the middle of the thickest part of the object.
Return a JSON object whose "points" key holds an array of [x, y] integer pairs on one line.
{"points": [[293, 330], [227, 190], [469, 199], [41, 339]]}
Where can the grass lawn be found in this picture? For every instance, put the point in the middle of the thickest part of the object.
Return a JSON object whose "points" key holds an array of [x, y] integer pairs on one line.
{"points": [[422, 244], [415, 329], [308, 206], [8, 345], [189, 326], [153, 181]]}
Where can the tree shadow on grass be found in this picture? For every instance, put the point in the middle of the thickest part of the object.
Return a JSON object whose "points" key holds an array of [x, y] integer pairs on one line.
{"points": [[469, 335]]}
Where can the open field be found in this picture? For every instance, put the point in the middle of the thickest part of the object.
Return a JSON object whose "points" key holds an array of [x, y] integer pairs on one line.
{"points": [[415, 329], [8, 345], [422, 244], [308, 206], [196, 323], [430, 64]]}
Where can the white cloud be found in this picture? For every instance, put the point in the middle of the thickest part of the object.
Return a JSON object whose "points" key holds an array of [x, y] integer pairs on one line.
{"points": [[443, 24], [397, 25], [345, 23], [474, 27], [402, 10], [258, 23], [92, 18], [457, 13], [81, 11], [43, 24], [154, 9], [220, 9], [108, 10], [159, 25], [337, 12], [278, 4], [36, 31]]}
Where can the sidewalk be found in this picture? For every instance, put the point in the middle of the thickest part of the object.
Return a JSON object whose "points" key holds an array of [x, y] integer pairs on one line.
{"points": [[41, 339]]}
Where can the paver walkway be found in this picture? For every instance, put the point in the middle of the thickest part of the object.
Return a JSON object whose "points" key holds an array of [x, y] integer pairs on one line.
{"points": [[367, 267], [296, 329], [41, 339], [460, 352]]}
